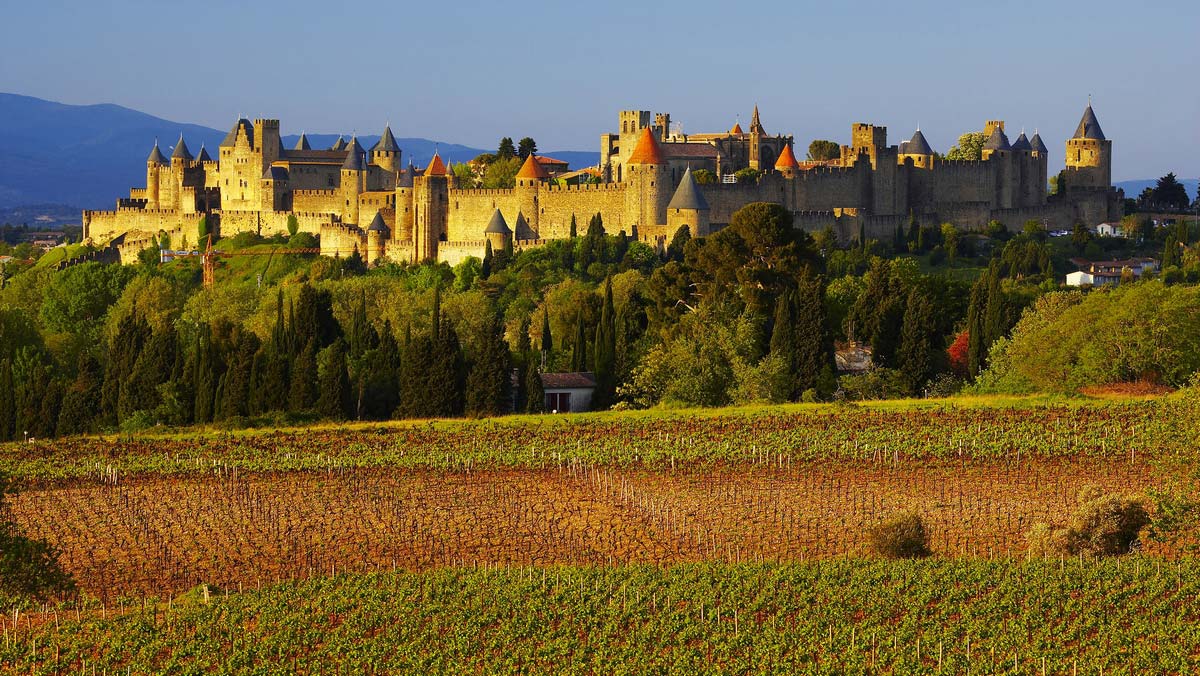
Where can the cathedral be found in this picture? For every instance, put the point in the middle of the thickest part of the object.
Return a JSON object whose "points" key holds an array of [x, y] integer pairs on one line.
{"points": [[366, 200]]}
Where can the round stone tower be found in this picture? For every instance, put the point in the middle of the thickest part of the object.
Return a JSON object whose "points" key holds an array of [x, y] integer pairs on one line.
{"points": [[1089, 154], [649, 181]]}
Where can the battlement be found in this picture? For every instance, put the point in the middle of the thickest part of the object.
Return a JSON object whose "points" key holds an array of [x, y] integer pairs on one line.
{"points": [[316, 192], [584, 187], [991, 125], [482, 192]]}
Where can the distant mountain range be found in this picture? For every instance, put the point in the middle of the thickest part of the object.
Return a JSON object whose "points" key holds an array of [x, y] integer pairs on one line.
{"points": [[1134, 188], [88, 156]]}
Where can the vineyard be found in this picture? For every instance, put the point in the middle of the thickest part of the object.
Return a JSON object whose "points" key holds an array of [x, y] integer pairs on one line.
{"points": [[841, 616], [667, 542]]}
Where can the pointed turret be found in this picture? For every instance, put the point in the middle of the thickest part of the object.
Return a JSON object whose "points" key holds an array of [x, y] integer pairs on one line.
{"points": [[302, 143], [242, 126], [436, 166], [736, 129], [386, 142], [339, 144], [755, 125], [532, 170], [156, 156], [181, 150], [917, 145], [203, 156], [646, 151], [377, 224], [787, 160], [1037, 145], [406, 178], [1089, 126], [497, 225], [354, 157], [1022, 144], [687, 195], [997, 141]]}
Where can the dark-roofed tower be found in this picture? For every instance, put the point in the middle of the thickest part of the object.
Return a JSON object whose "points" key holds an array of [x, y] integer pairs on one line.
{"points": [[377, 236], [688, 207], [154, 164], [498, 232], [353, 177], [1089, 154], [181, 154], [302, 143], [386, 153], [917, 149], [998, 151]]}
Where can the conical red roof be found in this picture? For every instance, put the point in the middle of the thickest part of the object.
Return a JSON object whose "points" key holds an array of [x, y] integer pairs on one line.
{"points": [[646, 151], [787, 159], [532, 169], [436, 166], [737, 128]]}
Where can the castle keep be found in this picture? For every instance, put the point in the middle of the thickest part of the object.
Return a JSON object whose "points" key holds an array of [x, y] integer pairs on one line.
{"points": [[364, 200]]}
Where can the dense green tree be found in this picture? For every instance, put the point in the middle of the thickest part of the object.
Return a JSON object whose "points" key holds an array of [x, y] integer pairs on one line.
{"points": [[546, 343], [379, 378], [915, 357], [604, 351], [293, 225], [526, 147], [77, 415], [302, 383], [814, 365], [485, 270], [822, 150], [535, 395], [678, 242], [506, 149], [1170, 255], [784, 339], [8, 404], [1170, 193], [488, 386], [362, 335], [335, 401], [446, 375], [579, 361], [969, 147], [235, 384]]}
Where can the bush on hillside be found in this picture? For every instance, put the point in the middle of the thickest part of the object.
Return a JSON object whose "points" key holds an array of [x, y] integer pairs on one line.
{"points": [[1104, 524], [900, 537]]}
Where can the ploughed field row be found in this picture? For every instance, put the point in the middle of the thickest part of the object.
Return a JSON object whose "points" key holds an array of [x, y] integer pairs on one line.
{"points": [[1160, 429], [161, 535], [1078, 616]]}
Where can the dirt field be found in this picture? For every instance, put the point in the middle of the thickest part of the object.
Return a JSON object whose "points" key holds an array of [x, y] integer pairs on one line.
{"points": [[163, 535]]}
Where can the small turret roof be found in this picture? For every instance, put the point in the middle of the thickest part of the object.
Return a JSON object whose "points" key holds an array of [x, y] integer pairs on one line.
{"points": [[1036, 143], [498, 225], [377, 224], [532, 169], [156, 155], [203, 156], [736, 129], [1021, 143], [787, 159], [406, 178], [646, 151], [687, 195], [917, 145], [387, 142], [436, 166], [522, 225], [244, 125], [339, 144], [354, 156], [181, 150], [755, 125], [302, 143], [1089, 126], [275, 174], [997, 141]]}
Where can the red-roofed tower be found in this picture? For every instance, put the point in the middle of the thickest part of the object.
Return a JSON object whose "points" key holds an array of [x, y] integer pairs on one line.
{"points": [[649, 179]]}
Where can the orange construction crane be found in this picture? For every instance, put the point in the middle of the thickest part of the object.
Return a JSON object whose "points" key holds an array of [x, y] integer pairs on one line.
{"points": [[208, 257]]}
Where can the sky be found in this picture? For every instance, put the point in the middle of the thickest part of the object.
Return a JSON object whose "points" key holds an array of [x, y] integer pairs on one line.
{"points": [[470, 72]]}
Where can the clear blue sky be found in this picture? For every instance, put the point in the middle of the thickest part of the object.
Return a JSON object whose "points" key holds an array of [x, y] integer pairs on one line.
{"points": [[470, 72]]}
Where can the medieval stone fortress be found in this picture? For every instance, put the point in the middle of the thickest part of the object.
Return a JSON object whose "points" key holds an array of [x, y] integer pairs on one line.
{"points": [[367, 201]]}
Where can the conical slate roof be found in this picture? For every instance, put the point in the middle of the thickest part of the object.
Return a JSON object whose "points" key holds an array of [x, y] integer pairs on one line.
{"points": [[203, 156], [1089, 126], [181, 151], [156, 155], [339, 144], [377, 224], [354, 157], [522, 225], [532, 169], [302, 143], [498, 226], [787, 159], [917, 145], [997, 141], [231, 138], [1036, 143], [687, 195], [646, 151], [1021, 143], [387, 142], [436, 166], [406, 178]]}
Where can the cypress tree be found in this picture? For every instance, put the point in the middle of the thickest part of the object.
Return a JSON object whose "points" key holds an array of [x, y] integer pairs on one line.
{"points": [[547, 340], [783, 340], [898, 243], [914, 232], [235, 390], [271, 386], [994, 319], [915, 355], [77, 414], [622, 359], [206, 379], [363, 336], [574, 227], [379, 387], [535, 395], [414, 378], [813, 344], [485, 270], [445, 376], [976, 349], [8, 404], [489, 383], [303, 381], [604, 355], [279, 331], [436, 315], [579, 353], [153, 367], [886, 338], [334, 401]]}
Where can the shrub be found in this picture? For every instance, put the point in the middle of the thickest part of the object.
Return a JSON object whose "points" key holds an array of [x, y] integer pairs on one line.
{"points": [[900, 537], [1102, 525]]}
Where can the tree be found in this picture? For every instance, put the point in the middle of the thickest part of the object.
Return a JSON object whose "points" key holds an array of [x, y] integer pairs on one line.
{"points": [[334, 401], [969, 147], [1058, 183], [604, 351], [526, 147], [501, 174], [547, 339], [1171, 255], [950, 237], [678, 242], [747, 175], [579, 349], [574, 227], [506, 151], [489, 383], [293, 225], [915, 357], [202, 232], [485, 269], [1081, 236], [704, 176], [783, 340], [535, 395], [303, 381], [1170, 193], [821, 150]]}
